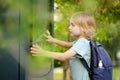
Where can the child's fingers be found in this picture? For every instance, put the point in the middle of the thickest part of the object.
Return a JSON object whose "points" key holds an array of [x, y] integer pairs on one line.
{"points": [[33, 53], [48, 33], [45, 36], [35, 45], [33, 49]]}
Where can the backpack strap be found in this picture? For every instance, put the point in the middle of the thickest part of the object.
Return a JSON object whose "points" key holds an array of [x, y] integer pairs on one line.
{"points": [[83, 61]]}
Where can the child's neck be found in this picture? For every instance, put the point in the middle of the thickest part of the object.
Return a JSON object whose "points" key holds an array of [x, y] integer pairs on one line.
{"points": [[81, 36]]}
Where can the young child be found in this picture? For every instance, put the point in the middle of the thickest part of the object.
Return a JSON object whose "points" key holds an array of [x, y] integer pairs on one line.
{"points": [[82, 26]]}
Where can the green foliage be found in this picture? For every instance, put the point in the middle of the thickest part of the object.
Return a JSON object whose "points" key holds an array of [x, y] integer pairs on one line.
{"points": [[57, 63], [39, 61]]}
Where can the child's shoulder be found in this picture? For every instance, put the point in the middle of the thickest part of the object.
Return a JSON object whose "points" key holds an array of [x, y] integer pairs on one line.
{"points": [[82, 39]]}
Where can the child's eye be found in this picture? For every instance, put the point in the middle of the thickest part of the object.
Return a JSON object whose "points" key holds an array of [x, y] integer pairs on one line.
{"points": [[72, 24]]}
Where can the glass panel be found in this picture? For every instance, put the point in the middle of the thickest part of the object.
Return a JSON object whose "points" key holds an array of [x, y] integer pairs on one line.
{"points": [[9, 41], [41, 67], [23, 22]]}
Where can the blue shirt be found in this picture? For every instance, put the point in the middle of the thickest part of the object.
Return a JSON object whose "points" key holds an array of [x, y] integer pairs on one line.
{"points": [[77, 70]]}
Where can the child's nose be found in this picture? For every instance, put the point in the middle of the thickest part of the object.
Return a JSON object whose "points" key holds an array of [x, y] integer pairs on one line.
{"points": [[69, 27]]}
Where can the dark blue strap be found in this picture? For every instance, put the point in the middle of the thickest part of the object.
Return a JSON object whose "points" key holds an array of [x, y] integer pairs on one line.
{"points": [[83, 61]]}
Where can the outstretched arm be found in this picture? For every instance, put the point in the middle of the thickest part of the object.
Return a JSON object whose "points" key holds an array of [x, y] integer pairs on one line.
{"points": [[36, 49], [58, 42]]}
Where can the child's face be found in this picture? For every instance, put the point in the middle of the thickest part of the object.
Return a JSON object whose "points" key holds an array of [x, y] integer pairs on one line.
{"points": [[74, 30]]}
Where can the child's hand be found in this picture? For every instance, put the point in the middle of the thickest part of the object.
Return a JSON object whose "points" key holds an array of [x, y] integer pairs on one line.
{"points": [[49, 37], [35, 49]]}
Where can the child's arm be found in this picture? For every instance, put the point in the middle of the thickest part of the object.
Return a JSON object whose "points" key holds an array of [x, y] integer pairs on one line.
{"points": [[36, 49], [58, 42]]}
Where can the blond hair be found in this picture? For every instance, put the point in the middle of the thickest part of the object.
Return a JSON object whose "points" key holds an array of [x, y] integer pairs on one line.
{"points": [[86, 23]]}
